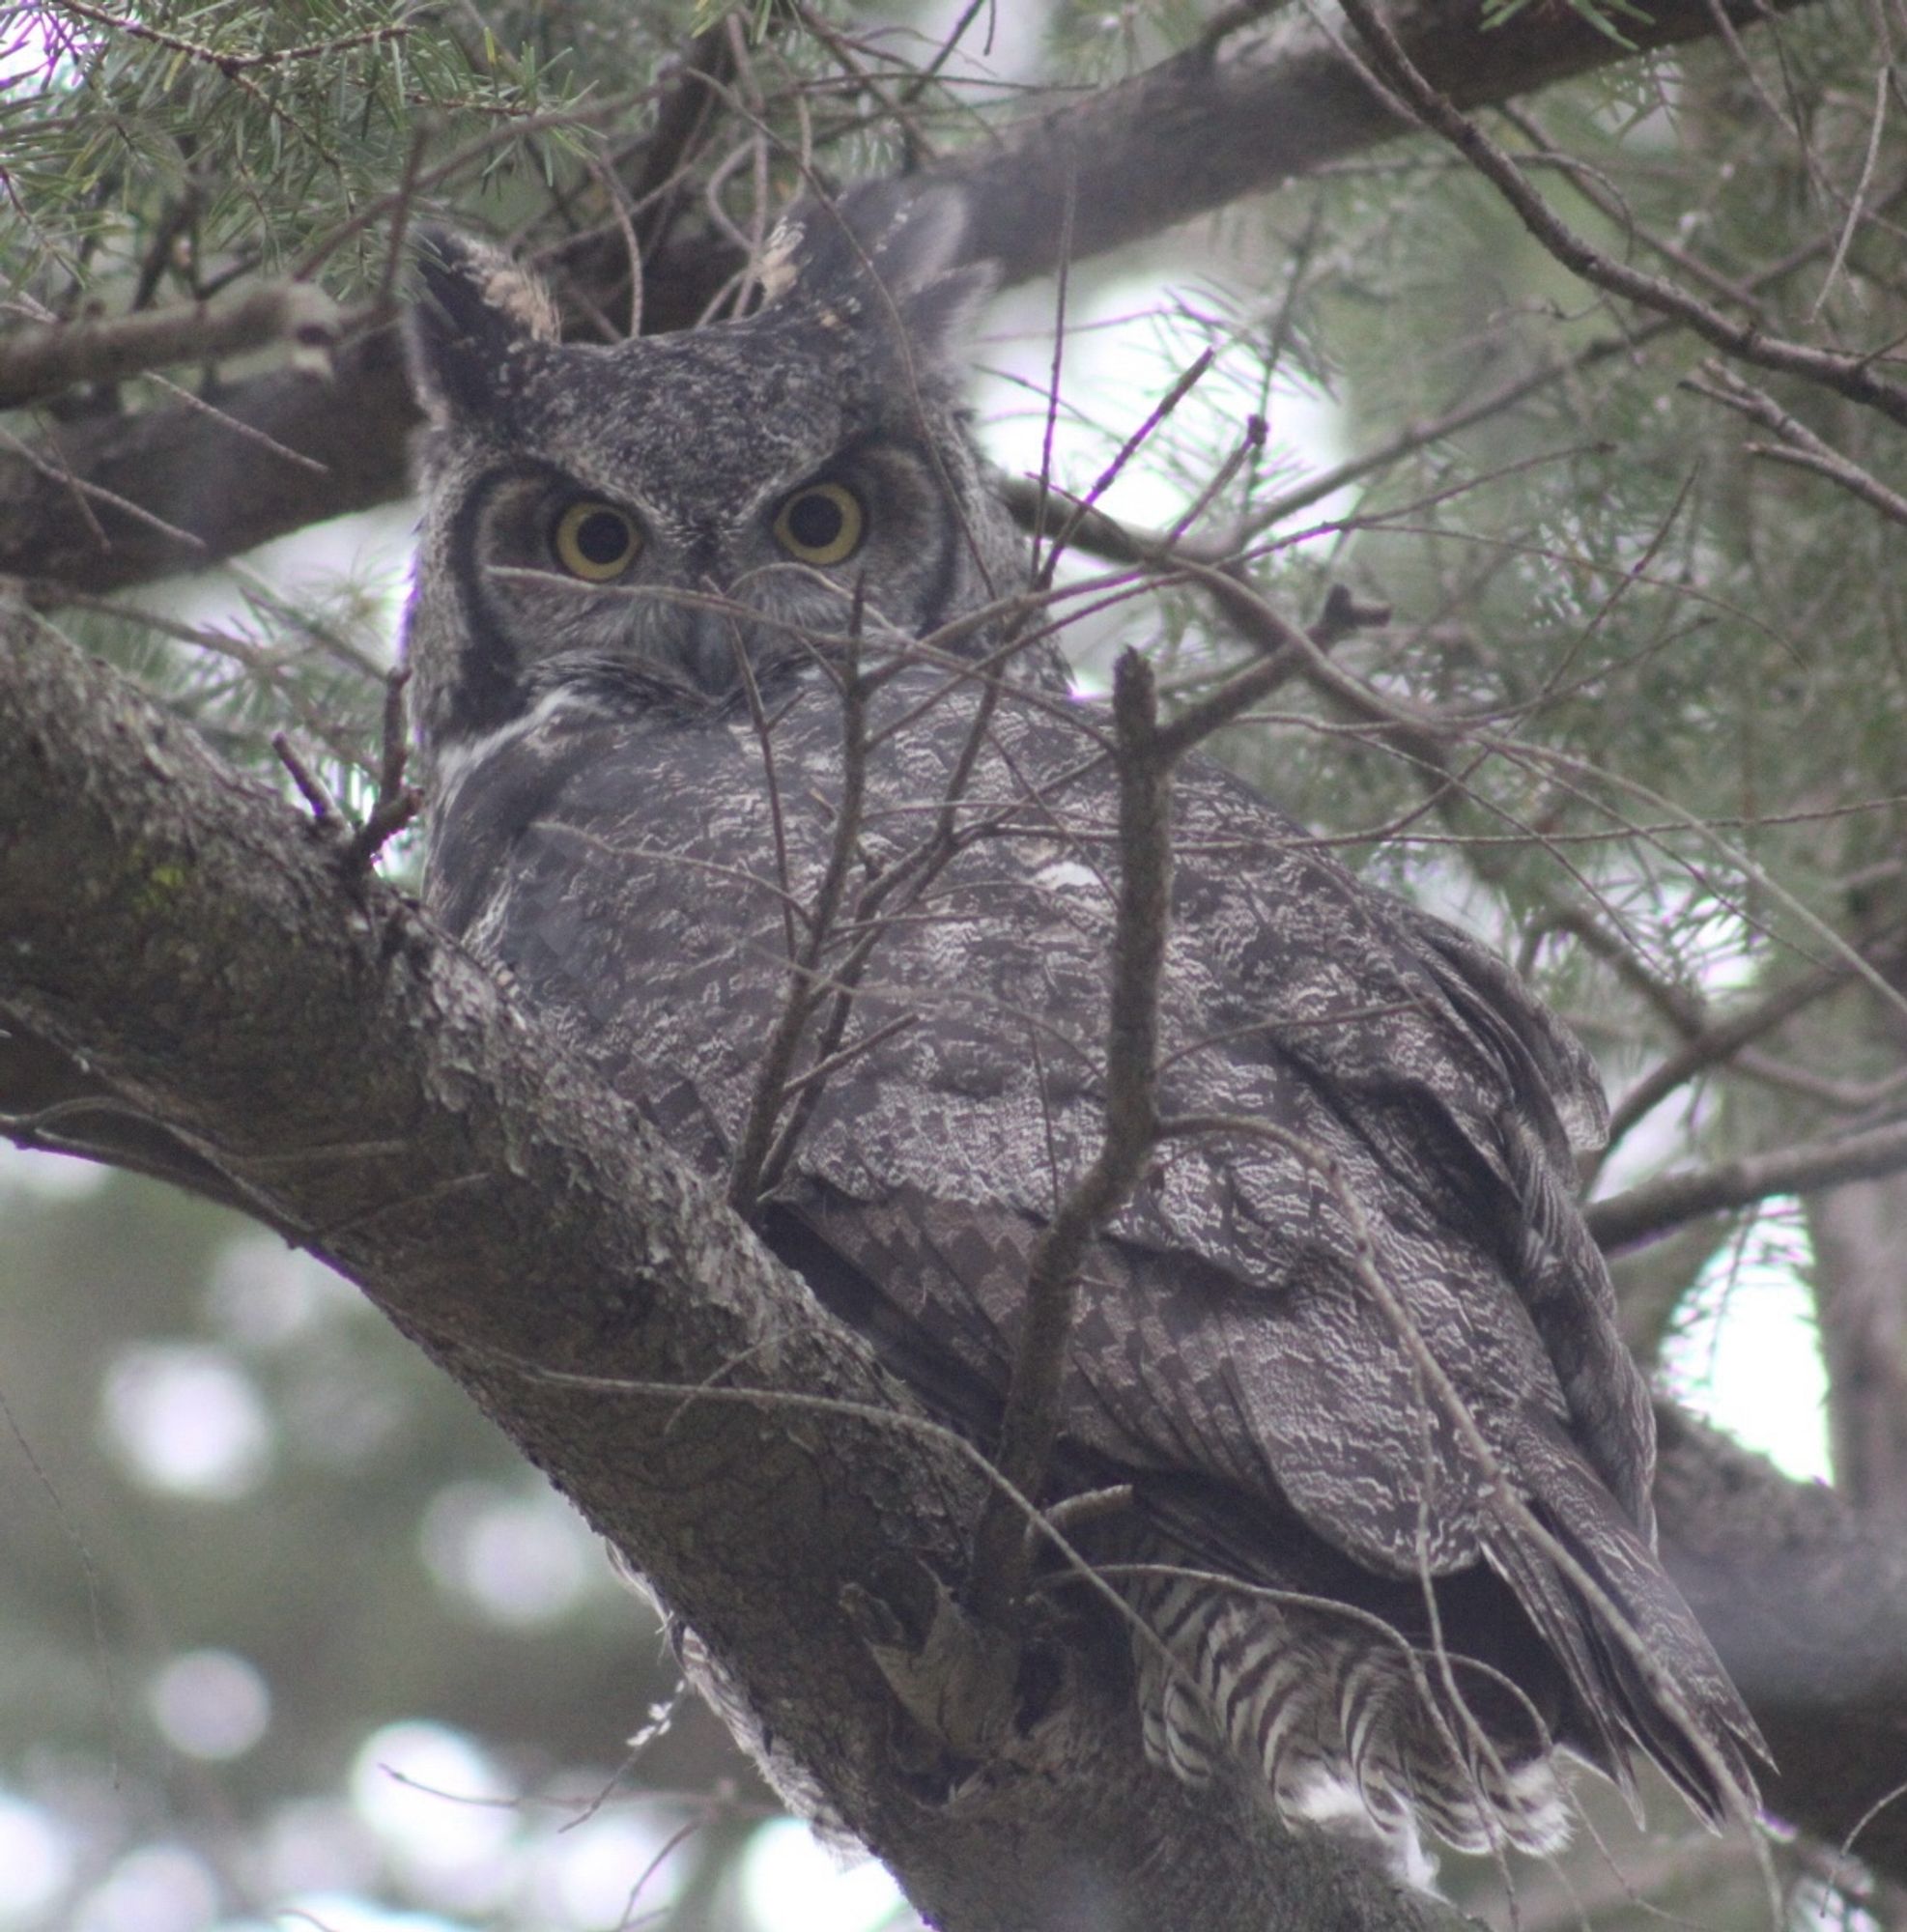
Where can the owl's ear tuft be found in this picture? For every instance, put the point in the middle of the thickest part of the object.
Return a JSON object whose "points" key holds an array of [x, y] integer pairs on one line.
{"points": [[884, 250], [474, 308]]}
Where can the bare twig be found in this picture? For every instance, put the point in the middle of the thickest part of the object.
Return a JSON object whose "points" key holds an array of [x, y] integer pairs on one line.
{"points": [[1643, 1212], [1798, 445], [1883, 80], [311, 787], [1722, 1040], [1283, 650], [1030, 1423], [1592, 190], [1417, 436], [1849, 375], [86, 493], [233, 426], [1844, 1096], [1086, 505], [774, 1075], [397, 803]]}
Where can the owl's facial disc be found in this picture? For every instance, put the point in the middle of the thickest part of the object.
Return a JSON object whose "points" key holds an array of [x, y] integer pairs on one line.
{"points": [[669, 517], [613, 582]]}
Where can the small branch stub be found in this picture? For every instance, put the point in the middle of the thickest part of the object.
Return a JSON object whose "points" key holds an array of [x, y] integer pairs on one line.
{"points": [[397, 803]]}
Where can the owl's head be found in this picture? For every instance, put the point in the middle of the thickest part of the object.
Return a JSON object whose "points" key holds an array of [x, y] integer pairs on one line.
{"points": [[629, 525]]}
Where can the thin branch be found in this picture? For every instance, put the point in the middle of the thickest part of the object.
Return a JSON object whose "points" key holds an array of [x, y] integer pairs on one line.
{"points": [[37, 362], [1883, 81], [325, 809], [1681, 1008], [85, 494], [312, 362], [1799, 445], [1590, 184], [1642, 1213], [1848, 375], [397, 802], [1030, 1423], [1254, 116], [1088, 505], [1844, 1096], [774, 1075], [1042, 568], [1417, 436], [1722, 1040], [1283, 650], [233, 65]]}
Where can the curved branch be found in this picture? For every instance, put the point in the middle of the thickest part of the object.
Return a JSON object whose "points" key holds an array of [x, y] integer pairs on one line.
{"points": [[1849, 374], [1709, 1046]]}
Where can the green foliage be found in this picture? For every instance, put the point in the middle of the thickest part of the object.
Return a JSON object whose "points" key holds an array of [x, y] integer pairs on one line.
{"points": [[1497, 12], [178, 147], [1627, 598]]}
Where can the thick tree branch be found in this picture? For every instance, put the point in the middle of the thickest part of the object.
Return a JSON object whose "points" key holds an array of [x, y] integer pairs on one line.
{"points": [[200, 951], [1222, 121], [36, 362], [1803, 1598], [1183, 139]]}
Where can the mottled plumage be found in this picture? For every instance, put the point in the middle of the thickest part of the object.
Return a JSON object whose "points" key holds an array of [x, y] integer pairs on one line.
{"points": [[632, 701]]}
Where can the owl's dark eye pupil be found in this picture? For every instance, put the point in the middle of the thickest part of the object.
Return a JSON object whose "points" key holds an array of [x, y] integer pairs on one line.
{"points": [[816, 521], [602, 538]]}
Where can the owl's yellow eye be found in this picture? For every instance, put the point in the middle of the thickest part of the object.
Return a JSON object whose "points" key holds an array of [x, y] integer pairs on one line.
{"points": [[822, 524], [595, 540]]}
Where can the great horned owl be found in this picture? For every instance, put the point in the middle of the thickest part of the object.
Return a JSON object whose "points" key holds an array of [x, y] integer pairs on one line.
{"points": [[745, 754]]}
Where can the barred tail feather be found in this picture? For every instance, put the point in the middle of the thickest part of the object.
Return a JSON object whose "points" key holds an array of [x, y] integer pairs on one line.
{"points": [[1353, 1728]]}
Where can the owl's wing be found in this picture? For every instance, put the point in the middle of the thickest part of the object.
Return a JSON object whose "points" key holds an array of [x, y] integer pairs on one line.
{"points": [[1260, 1315], [1409, 1083]]}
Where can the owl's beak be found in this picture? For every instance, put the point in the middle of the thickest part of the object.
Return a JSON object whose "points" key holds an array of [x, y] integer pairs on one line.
{"points": [[712, 643]]}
